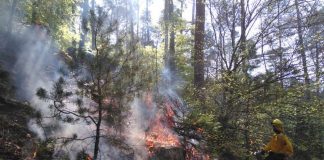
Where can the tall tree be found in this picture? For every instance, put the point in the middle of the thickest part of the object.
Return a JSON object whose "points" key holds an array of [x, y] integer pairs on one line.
{"points": [[199, 45], [172, 63], [106, 81]]}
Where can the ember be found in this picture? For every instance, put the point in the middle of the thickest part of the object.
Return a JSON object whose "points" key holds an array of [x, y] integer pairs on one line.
{"points": [[158, 118], [159, 133]]}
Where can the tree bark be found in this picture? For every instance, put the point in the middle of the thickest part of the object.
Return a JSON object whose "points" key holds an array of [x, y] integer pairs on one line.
{"points": [[98, 125], [172, 40], [199, 45]]}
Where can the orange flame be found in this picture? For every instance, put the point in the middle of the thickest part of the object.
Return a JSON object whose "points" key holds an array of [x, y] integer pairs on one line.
{"points": [[159, 133]]}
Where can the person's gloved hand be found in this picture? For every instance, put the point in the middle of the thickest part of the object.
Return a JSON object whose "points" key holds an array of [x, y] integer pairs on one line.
{"points": [[259, 154]]}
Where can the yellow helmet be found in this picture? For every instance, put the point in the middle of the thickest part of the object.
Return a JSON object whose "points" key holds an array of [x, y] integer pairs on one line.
{"points": [[278, 124]]}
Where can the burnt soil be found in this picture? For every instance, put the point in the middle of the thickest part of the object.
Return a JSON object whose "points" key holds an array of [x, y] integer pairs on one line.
{"points": [[15, 138]]}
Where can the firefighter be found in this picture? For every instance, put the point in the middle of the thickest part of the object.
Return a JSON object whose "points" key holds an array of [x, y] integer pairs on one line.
{"points": [[279, 147]]}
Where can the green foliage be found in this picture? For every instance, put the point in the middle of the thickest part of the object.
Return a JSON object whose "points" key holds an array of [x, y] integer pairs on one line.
{"points": [[42, 93], [233, 119]]}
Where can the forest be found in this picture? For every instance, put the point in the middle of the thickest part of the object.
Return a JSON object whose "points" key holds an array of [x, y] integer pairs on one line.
{"points": [[161, 79]]}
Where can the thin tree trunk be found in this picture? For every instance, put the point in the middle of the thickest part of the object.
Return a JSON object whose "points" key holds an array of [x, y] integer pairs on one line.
{"points": [[181, 13], [301, 50], [93, 34], [301, 124], [181, 8], [132, 24], [244, 51], [11, 16], [234, 56], [280, 47], [98, 126], [100, 107], [193, 17], [147, 29], [317, 69], [166, 28], [262, 49], [84, 23], [34, 18], [193, 11], [138, 19]]}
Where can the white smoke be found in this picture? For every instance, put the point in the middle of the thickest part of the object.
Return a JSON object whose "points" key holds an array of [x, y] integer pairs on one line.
{"points": [[35, 63], [142, 115], [138, 125]]}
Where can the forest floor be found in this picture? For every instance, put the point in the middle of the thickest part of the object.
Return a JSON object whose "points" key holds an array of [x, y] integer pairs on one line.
{"points": [[16, 140]]}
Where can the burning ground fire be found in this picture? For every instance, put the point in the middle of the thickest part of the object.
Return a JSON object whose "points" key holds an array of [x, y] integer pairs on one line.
{"points": [[159, 133]]}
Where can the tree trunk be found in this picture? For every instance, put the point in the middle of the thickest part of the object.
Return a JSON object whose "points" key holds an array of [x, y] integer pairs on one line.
{"points": [[181, 8], [147, 29], [193, 11], [317, 69], [199, 45], [234, 56], [301, 50], [93, 34], [301, 124], [281, 69], [132, 24], [84, 23], [244, 51], [34, 12], [193, 17], [166, 29], [171, 60], [138, 19], [244, 55], [98, 125], [100, 108], [11, 16]]}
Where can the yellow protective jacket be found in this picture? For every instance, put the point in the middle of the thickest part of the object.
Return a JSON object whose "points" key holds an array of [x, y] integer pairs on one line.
{"points": [[279, 143]]}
